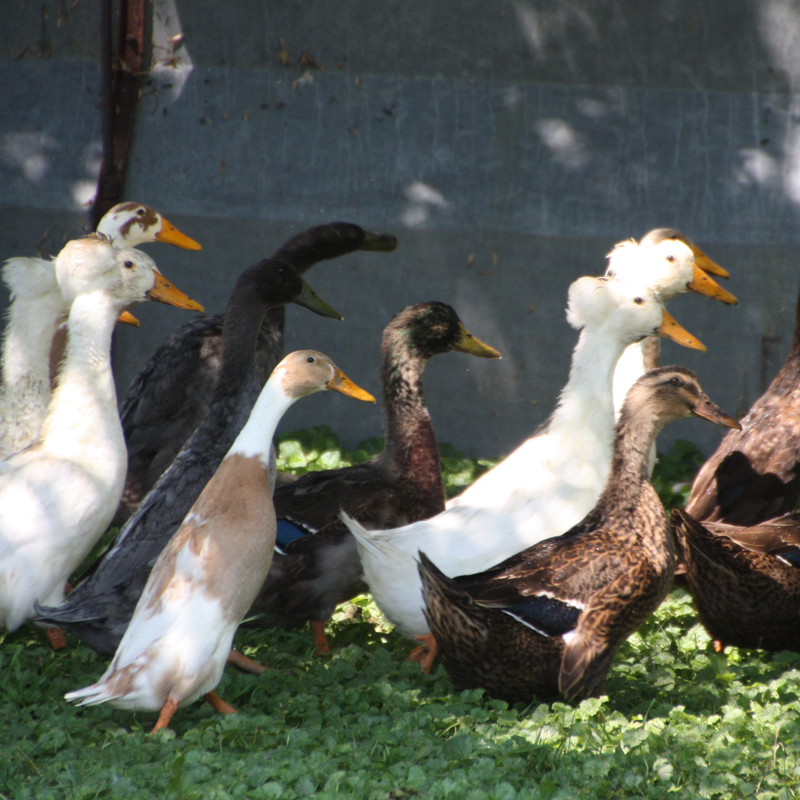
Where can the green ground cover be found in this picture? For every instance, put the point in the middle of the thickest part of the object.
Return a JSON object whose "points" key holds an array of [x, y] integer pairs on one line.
{"points": [[678, 719]]}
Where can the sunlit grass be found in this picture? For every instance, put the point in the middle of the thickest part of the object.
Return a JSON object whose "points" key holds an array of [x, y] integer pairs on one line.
{"points": [[677, 720]]}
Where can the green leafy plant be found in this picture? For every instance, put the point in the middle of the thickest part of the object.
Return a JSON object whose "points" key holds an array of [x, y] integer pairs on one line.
{"points": [[674, 473], [676, 719]]}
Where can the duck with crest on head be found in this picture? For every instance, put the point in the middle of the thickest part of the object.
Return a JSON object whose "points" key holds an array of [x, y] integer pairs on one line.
{"points": [[98, 610], [177, 643], [170, 396], [678, 266], [37, 310], [547, 485], [58, 495], [547, 621], [316, 565]]}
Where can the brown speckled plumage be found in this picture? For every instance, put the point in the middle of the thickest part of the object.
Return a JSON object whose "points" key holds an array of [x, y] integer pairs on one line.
{"points": [[548, 620], [401, 485], [745, 589], [755, 473]]}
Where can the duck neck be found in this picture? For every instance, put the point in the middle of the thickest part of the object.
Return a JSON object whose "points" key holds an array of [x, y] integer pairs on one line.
{"points": [[85, 394], [29, 334], [256, 436], [243, 318], [636, 432], [587, 397], [411, 447]]}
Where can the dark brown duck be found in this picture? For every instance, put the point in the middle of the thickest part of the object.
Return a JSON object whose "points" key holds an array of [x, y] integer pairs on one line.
{"points": [[547, 621]]}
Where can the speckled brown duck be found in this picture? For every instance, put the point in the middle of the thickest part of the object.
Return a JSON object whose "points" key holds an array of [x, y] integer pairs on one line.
{"points": [[755, 473], [745, 581], [548, 620], [316, 564], [168, 399]]}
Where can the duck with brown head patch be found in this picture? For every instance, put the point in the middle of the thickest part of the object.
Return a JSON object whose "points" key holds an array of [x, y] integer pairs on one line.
{"points": [[178, 640], [97, 611], [547, 621], [316, 565], [38, 309], [58, 495]]}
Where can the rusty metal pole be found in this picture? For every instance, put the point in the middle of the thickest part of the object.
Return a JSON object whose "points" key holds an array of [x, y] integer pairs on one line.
{"points": [[120, 96]]}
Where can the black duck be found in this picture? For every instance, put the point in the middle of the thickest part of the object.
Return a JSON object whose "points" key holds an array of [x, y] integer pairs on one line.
{"points": [[168, 399]]}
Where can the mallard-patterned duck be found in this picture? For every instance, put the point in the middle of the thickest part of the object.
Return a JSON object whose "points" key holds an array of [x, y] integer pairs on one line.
{"points": [[176, 646], [546, 485], [168, 399], [745, 581], [547, 621], [312, 574], [98, 610], [754, 475]]}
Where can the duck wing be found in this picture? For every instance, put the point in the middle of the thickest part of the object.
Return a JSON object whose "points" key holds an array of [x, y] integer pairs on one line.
{"points": [[612, 614], [755, 473]]}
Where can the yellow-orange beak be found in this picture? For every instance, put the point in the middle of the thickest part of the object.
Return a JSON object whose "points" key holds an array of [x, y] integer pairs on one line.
{"points": [[171, 235], [670, 328], [707, 265], [128, 319], [467, 343], [703, 284], [341, 383], [164, 292]]}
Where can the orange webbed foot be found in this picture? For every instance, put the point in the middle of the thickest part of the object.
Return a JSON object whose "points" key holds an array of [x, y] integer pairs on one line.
{"points": [[425, 654]]}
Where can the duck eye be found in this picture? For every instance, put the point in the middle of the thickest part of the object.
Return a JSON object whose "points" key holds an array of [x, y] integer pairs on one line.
{"points": [[311, 359], [674, 382], [671, 259], [140, 212], [638, 301], [129, 264]]}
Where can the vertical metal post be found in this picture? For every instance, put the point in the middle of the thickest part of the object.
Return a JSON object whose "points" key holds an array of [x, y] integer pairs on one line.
{"points": [[120, 96]]}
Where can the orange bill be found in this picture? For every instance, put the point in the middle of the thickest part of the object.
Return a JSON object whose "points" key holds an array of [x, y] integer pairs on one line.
{"points": [[164, 292], [670, 328], [128, 319], [341, 383], [712, 412], [707, 265], [171, 235], [702, 284]]}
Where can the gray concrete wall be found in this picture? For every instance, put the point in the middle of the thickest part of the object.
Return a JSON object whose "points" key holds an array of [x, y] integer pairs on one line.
{"points": [[507, 144]]}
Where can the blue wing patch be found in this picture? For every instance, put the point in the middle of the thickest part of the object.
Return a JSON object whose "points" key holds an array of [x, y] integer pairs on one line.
{"points": [[288, 531], [546, 615]]}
